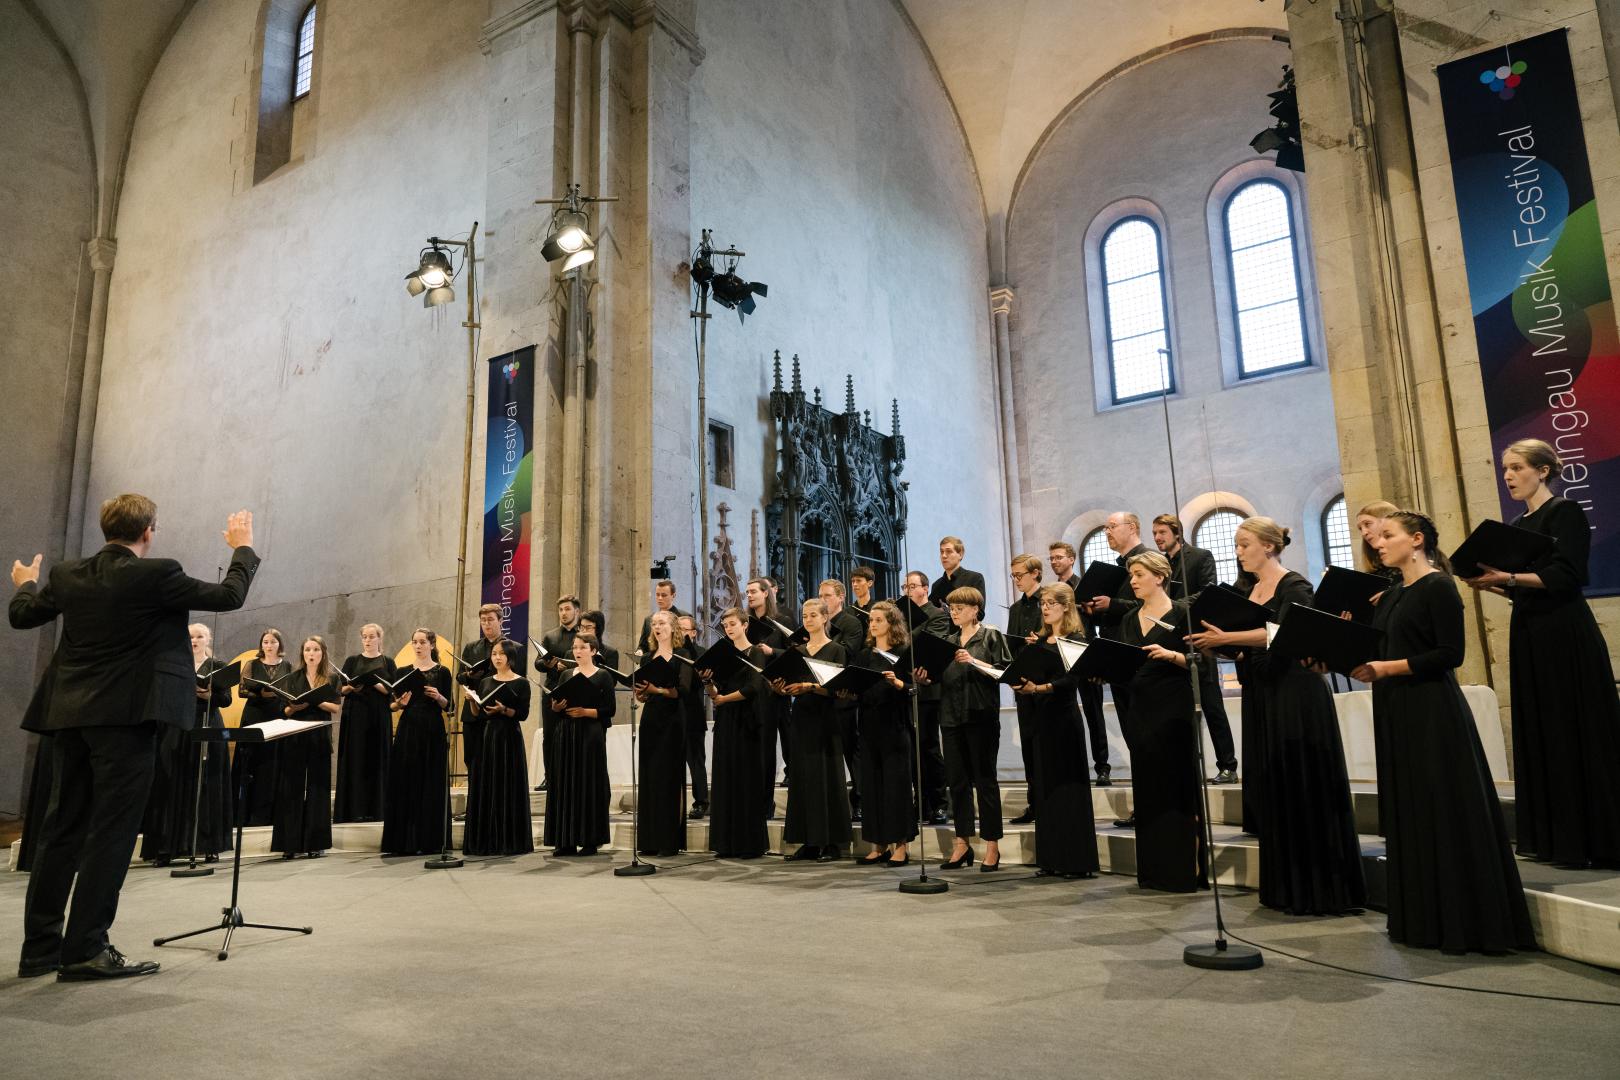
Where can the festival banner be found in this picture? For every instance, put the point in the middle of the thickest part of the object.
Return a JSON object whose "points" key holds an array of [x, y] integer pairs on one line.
{"points": [[508, 484], [1538, 284]]}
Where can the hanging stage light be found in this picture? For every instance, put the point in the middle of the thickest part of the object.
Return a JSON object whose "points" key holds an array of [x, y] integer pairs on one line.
{"points": [[733, 292], [1284, 136], [432, 275], [586, 254], [569, 237]]}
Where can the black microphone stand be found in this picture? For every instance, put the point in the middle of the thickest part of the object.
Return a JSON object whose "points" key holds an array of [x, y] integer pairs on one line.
{"points": [[922, 884], [191, 869], [444, 860], [1219, 955], [636, 867]]}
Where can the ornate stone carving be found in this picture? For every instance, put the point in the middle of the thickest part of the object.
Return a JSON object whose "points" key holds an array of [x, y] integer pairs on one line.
{"points": [[839, 500], [724, 591]]}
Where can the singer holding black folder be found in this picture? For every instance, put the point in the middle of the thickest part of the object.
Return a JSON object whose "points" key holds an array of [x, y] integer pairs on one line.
{"points": [[662, 681], [889, 821], [818, 800], [1170, 852], [253, 767], [366, 732], [919, 615], [413, 819], [472, 670], [1453, 882], [577, 799], [302, 824], [1192, 570], [558, 642], [498, 816], [1061, 555], [1310, 857], [1065, 830], [1023, 628], [969, 720], [166, 830], [1566, 717], [737, 827], [766, 633]]}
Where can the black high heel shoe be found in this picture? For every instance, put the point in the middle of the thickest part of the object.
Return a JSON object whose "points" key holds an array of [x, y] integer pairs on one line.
{"points": [[990, 868], [877, 857], [957, 864], [806, 853]]}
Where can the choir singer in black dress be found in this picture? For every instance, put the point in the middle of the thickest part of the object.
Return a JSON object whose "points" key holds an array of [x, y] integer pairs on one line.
{"points": [[253, 766], [302, 824], [413, 819], [818, 801], [1170, 853], [695, 708], [662, 744], [737, 828], [1566, 716], [970, 721], [498, 816], [471, 675], [1061, 555], [777, 717], [365, 733], [889, 823], [1453, 883], [166, 833], [1310, 857], [577, 799], [1065, 831]]}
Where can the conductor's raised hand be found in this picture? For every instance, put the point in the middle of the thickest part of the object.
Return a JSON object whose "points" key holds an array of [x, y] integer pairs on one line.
{"points": [[22, 575], [239, 529]]}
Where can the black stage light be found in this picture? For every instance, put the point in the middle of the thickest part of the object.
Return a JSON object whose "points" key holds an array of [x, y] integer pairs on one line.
{"points": [[702, 270], [568, 234], [733, 292], [1284, 135]]}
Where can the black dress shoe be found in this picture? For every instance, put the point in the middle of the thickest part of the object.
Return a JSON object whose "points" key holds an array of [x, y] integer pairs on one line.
{"points": [[957, 864], [699, 811], [1225, 776], [33, 969], [541, 786], [874, 858], [1026, 818], [990, 867], [1126, 822], [1103, 777], [827, 854], [564, 852], [161, 861], [940, 817], [804, 854], [109, 963], [897, 863], [211, 858], [855, 814], [587, 851]]}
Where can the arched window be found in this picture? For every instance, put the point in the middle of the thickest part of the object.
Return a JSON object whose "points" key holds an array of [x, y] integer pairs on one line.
{"points": [[304, 67], [1264, 267], [1216, 532], [1336, 545], [1135, 309], [1095, 549]]}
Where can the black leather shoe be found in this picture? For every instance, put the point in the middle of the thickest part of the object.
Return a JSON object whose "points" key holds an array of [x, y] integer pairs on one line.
{"points": [[1026, 818], [33, 969], [940, 817], [877, 857], [990, 867], [564, 852], [827, 854], [1103, 777], [109, 963], [804, 854], [855, 814], [1126, 822], [586, 852], [897, 863], [957, 864], [541, 786], [700, 810], [1225, 776]]}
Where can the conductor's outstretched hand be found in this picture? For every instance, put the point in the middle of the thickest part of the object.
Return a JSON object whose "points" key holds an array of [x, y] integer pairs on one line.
{"points": [[238, 529], [22, 575]]}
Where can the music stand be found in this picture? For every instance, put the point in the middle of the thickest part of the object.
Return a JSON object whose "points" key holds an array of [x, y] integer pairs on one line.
{"points": [[231, 917]]}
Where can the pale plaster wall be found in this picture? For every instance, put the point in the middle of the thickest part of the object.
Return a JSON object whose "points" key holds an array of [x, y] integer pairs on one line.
{"points": [[824, 146], [47, 203], [261, 349], [1163, 134]]}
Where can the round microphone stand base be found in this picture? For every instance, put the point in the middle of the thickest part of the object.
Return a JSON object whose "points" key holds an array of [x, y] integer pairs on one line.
{"points": [[1219, 956], [635, 869], [924, 886], [192, 871], [444, 862]]}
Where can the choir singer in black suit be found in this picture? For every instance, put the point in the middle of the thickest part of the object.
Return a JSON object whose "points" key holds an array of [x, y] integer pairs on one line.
{"points": [[1192, 570], [559, 645], [951, 550], [122, 667]]}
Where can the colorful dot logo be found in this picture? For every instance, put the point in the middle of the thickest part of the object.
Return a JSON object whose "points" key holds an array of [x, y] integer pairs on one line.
{"points": [[510, 370], [1503, 79]]}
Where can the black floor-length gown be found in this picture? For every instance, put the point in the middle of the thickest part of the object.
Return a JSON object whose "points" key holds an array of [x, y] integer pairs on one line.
{"points": [[1566, 715], [172, 804], [1310, 856], [888, 808], [1165, 780], [818, 798], [253, 766], [577, 790], [498, 816], [1065, 829], [738, 786], [1453, 883], [413, 817], [364, 737], [661, 761], [302, 821]]}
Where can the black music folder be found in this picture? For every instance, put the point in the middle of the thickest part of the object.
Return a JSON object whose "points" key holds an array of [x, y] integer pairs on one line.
{"points": [[414, 678], [1349, 590], [933, 654], [1505, 547], [1109, 660], [723, 660], [1037, 663], [855, 679], [497, 696], [1342, 644], [1225, 607], [220, 676], [790, 666], [577, 692], [1100, 579], [659, 672]]}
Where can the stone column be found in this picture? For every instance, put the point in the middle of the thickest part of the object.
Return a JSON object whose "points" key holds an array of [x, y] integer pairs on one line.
{"points": [[1001, 302], [102, 251]]}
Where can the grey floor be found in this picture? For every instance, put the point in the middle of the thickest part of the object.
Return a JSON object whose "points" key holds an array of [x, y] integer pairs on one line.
{"points": [[555, 968]]}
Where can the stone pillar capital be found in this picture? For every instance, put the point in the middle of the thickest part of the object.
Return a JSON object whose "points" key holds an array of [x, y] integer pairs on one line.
{"points": [[102, 252], [1001, 300]]}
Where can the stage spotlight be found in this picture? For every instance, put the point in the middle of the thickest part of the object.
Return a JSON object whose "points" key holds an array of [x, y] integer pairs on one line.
{"points": [[568, 234], [1284, 136], [435, 269], [702, 270], [413, 283], [732, 291], [579, 258], [441, 294]]}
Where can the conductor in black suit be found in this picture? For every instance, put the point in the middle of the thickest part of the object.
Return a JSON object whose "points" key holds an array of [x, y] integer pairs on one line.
{"points": [[122, 667], [1192, 570]]}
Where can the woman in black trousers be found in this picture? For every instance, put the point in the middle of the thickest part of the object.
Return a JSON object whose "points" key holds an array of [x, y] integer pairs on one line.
{"points": [[1453, 883], [1566, 716], [970, 722], [889, 814], [303, 817]]}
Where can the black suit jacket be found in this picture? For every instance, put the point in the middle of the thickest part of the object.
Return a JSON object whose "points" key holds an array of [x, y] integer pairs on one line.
{"points": [[963, 579], [124, 656], [1198, 575], [848, 631], [1124, 601]]}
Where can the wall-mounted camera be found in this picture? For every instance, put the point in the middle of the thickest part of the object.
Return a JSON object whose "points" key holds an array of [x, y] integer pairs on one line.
{"points": [[660, 569]]}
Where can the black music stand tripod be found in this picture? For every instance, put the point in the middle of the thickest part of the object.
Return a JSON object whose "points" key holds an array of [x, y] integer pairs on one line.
{"points": [[231, 917]]}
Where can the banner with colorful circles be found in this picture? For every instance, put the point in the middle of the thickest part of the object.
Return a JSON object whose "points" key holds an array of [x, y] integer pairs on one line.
{"points": [[509, 488]]}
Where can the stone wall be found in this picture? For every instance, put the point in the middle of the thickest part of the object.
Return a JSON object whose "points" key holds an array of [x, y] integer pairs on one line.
{"points": [[1158, 138]]}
